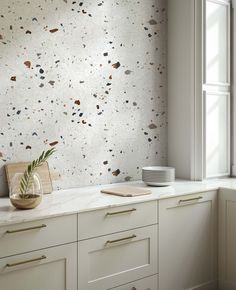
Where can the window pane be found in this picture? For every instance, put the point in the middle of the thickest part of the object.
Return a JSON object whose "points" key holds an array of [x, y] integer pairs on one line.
{"points": [[216, 134], [216, 43]]}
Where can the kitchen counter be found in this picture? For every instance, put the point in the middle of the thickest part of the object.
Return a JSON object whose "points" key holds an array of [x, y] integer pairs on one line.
{"points": [[76, 200]]}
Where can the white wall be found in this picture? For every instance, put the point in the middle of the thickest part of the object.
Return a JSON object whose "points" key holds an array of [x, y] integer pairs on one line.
{"points": [[58, 85]]}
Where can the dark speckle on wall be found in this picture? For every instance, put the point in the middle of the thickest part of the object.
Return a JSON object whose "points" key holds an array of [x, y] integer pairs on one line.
{"points": [[116, 65], [116, 172], [89, 78], [53, 143], [27, 63], [53, 30]]}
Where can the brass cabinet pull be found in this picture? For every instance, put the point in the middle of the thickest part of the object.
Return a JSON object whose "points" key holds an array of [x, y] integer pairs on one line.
{"points": [[26, 262], [26, 229], [121, 212], [121, 240], [190, 199]]}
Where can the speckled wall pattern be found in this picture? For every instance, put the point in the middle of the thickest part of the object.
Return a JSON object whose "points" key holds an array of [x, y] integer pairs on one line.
{"points": [[88, 77]]}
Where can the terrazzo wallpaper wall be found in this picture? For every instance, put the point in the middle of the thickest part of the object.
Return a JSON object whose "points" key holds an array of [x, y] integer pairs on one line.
{"points": [[89, 78]]}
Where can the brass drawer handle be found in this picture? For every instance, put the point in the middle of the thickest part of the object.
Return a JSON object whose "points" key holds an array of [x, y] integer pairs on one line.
{"points": [[121, 240], [190, 199], [121, 212], [26, 262], [26, 229]]}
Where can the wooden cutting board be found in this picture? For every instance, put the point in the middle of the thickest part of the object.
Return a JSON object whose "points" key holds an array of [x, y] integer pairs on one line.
{"points": [[126, 191], [43, 171]]}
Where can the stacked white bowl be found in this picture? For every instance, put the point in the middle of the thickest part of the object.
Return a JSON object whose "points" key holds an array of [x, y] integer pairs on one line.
{"points": [[158, 175]]}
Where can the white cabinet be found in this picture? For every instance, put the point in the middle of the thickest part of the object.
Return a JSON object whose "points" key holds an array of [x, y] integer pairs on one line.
{"points": [[199, 88], [116, 219], [149, 283], [188, 242], [171, 244], [35, 235], [227, 239], [48, 269], [118, 247], [117, 259], [39, 255]]}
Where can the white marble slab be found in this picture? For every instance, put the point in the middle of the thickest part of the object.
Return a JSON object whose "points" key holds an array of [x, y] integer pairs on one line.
{"points": [[76, 200]]}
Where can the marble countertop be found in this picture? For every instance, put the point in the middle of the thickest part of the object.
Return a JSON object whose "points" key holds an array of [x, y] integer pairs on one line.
{"points": [[77, 200]]}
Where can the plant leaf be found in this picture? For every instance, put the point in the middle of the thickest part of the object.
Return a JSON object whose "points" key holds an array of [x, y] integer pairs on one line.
{"points": [[27, 180]]}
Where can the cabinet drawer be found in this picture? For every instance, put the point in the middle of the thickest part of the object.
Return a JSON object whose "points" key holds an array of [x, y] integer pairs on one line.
{"points": [[187, 200], [149, 283], [116, 259], [30, 236], [48, 269], [117, 219]]}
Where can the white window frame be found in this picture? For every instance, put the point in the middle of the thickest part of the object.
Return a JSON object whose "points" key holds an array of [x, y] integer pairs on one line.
{"points": [[233, 89], [198, 171]]}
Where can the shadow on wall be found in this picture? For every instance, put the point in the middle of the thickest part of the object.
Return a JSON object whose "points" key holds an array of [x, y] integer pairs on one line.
{"points": [[4, 187]]}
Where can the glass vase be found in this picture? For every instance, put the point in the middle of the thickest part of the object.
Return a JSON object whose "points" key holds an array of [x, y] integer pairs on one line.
{"points": [[28, 196]]}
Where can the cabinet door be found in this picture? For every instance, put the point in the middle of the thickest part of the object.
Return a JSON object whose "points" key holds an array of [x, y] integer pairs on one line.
{"points": [[49, 269], [117, 259], [188, 242], [227, 239]]}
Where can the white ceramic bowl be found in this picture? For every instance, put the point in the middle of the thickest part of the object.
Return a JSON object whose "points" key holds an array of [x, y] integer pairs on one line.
{"points": [[158, 175]]}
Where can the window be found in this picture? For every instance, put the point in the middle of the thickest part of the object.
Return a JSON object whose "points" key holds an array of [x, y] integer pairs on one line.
{"points": [[216, 89]]}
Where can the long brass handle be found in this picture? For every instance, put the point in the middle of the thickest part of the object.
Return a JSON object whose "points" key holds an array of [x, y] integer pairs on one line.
{"points": [[121, 212], [121, 240], [26, 262], [190, 199], [26, 229]]}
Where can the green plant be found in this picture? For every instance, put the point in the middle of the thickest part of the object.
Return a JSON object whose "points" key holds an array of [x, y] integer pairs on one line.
{"points": [[26, 180]]}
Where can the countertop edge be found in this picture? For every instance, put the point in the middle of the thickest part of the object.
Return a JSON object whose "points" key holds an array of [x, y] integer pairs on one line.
{"points": [[93, 200]]}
